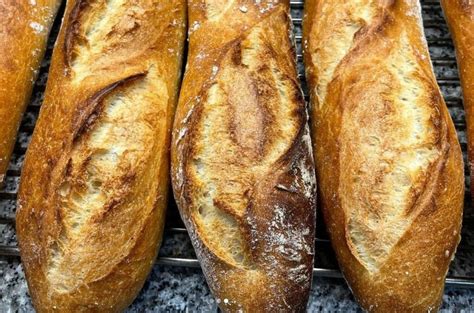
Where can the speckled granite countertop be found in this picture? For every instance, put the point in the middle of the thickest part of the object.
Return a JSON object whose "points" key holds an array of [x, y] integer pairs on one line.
{"points": [[174, 289], [179, 289]]}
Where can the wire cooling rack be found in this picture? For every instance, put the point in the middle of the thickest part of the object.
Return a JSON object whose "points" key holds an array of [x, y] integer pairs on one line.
{"points": [[461, 273]]}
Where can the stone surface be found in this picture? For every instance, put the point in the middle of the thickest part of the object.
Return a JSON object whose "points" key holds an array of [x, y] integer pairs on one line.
{"points": [[173, 289]]}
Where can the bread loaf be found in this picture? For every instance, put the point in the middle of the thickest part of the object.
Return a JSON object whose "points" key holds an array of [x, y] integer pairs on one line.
{"points": [[242, 166], [460, 17], [388, 162], [94, 186], [24, 29]]}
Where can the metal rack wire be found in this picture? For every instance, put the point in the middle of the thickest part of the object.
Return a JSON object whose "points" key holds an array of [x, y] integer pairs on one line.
{"points": [[325, 264]]}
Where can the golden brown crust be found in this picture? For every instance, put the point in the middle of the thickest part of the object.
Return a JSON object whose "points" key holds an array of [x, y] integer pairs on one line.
{"points": [[94, 185], [24, 29], [242, 166], [388, 161], [460, 17]]}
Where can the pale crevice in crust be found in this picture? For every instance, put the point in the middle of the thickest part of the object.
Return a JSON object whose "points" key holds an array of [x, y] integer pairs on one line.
{"points": [[95, 24], [387, 157], [221, 228], [336, 44], [215, 9], [103, 163], [394, 156], [102, 28], [394, 153], [252, 137], [242, 169]]}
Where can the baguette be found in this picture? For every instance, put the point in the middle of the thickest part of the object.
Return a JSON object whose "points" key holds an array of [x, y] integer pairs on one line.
{"points": [[242, 165], [388, 161], [460, 17], [24, 29], [94, 186]]}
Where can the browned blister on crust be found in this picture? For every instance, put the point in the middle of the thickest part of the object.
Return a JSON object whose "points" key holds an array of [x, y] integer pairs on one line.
{"points": [[24, 30], [460, 17], [242, 165], [388, 161], [94, 186]]}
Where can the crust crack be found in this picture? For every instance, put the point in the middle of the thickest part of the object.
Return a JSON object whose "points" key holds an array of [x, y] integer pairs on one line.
{"points": [[104, 159], [253, 135], [387, 152], [100, 34]]}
